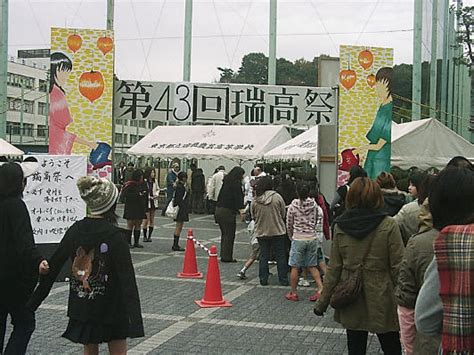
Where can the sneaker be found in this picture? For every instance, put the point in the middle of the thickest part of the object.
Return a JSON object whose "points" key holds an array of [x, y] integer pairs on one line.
{"points": [[302, 282], [315, 297], [264, 282], [241, 275], [177, 248], [147, 240], [290, 296], [138, 246]]}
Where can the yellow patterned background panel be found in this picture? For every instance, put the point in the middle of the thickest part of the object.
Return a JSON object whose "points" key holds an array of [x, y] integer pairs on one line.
{"points": [[358, 102], [89, 87]]}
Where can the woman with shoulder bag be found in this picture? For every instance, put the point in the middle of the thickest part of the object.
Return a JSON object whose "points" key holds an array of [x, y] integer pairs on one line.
{"points": [[367, 250]]}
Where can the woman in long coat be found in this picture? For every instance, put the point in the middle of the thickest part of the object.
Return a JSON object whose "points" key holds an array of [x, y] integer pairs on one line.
{"points": [[375, 310]]}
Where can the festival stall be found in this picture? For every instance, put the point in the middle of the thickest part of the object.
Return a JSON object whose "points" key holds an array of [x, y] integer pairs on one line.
{"points": [[427, 143], [303, 147], [6, 149], [238, 143]]}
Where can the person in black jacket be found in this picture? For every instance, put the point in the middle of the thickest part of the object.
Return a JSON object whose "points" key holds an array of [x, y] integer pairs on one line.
{"points": [[181, 199], [229, 202], [198, 189], [135, 196], [20, 260], [394, 199], [104, 305]]}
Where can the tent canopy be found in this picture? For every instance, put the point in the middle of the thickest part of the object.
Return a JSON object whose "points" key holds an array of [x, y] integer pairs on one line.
{"points": [[424, 144], [427, 143], [303, 147], [9, 150], [210, 142]]}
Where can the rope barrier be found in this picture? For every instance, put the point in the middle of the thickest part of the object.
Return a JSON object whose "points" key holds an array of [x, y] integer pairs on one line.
{"points": [[199, 244]]}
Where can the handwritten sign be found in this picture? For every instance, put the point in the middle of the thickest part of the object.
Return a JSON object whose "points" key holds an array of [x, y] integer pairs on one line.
{"points": [[225, 103], [52, 197]]}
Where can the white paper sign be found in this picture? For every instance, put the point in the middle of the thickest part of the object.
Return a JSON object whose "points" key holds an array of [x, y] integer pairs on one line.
{"points": [[225, 103], [52, 197]]}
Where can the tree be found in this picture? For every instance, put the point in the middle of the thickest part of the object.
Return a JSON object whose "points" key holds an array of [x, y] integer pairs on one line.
{"points": [[254, 70], [465, 17]]}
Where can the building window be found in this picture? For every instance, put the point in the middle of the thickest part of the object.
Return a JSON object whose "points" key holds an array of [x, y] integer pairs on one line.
{"points": [[42, 108], [28, 129], [15, 105], [142, 123], [43, 85], [42, 131], [133, 138], [13, 128], [118, 138], [120, 121], [17, 80], [153, 124], [133, 123]]}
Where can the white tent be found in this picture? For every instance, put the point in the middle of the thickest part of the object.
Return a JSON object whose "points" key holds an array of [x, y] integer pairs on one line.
{"points": [[210, 142], [427, 143], [6, 149], [424, 144], [303, 147]]}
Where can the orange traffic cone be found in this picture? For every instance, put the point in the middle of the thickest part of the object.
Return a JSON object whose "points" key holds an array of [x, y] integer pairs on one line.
{"points": [[190, 270], [213, 291]]}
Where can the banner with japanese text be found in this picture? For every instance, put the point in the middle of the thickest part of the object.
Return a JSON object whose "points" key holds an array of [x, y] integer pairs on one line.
{"points": [[81, 91], [365, 109], [52, 197], [225, 103]]}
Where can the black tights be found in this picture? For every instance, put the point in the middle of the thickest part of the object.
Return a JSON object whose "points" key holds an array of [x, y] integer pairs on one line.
{"points": [[357, 342]]}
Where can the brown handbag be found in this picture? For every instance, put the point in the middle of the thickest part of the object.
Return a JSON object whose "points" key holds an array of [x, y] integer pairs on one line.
{"points": [[347, 291]]}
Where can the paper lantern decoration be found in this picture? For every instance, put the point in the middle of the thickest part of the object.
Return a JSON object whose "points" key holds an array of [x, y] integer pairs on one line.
{"points": [[74, 42], [366, 59], [347, 78], [91, 85], [105, 44], [371, 80]]}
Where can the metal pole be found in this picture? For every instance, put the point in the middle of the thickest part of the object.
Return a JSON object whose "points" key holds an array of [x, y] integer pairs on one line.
{"points": [[434, 58], [451, 55], [46, 123], [188, 33], [273, 43], [110, 15], [445, 61], [3, 67], [22, 109], [110, 27], [417, 38]]}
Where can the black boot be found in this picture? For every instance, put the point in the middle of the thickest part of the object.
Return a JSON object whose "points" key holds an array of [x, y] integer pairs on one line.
{"points": [[176, 247], [129, 238], [150, 230], [136, 238], [145, 238]]}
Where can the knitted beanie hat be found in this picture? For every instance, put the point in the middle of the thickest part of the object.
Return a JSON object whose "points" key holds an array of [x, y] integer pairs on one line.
{"points": [[99, 194]]}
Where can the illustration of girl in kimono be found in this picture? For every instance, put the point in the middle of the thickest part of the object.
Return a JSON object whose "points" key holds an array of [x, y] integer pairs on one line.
{"points": [[60, 140], [380, 134]]}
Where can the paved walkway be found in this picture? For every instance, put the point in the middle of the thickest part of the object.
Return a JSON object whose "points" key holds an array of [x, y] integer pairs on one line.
{"points": [[261, 320]]}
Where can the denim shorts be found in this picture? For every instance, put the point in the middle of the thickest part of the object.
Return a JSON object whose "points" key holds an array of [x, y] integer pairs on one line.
{"points": [[304, 253]]}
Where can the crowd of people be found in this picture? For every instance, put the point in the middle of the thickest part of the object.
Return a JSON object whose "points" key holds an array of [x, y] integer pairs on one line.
{"points": [[401, 263]]}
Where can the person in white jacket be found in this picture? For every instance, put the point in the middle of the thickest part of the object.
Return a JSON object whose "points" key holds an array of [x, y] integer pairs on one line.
{"points": [[214, 187]]}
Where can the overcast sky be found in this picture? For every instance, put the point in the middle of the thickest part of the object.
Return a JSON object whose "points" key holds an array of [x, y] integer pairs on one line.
{"points": [[149, 34]]}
